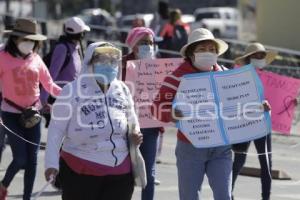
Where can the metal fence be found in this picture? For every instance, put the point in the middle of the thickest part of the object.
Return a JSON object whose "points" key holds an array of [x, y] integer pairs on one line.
{"points": [[287, 62]]}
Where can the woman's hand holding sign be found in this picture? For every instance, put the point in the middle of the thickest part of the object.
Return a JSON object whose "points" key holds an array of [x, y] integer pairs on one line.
{"points": [[176, 115], [266, 106]]}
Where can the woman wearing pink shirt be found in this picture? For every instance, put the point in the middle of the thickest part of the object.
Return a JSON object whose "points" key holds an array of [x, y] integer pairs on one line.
{"points": [[21, 72]]}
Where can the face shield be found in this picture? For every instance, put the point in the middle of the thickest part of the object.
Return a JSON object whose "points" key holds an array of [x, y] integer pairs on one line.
{"points": [[107, 55], [105, 64]]}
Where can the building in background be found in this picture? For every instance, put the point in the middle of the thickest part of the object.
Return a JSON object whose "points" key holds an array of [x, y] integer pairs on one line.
{"points": [[271, 22], [278, 23], [247, 20]]}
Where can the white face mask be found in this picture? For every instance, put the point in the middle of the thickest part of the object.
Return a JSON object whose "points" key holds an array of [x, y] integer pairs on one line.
{"points": [[145, 52], [26, 47], [259, 63], [205, 61]]}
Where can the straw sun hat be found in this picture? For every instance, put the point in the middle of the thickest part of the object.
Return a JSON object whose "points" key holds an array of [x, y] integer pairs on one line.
{"points": [[255, 48], [26, 28], [202, 34]]}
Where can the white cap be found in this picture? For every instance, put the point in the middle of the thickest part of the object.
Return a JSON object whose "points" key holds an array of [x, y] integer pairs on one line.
{"points": [[75, 25]]}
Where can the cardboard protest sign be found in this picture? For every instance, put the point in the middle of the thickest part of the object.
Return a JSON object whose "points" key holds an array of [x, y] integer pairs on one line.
{"points": [[144, 79], [222, 108], [280, 91]]}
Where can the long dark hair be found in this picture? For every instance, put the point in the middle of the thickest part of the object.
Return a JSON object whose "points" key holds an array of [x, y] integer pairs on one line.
{"points": [[247, 60], [77, 36], [12, 48]]}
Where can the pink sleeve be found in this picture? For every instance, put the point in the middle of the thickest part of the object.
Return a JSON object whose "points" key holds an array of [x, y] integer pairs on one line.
{"points": [[46, 80], [1, 63], [187, 28]]}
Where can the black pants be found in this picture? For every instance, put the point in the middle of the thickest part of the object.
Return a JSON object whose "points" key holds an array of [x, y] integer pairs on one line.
{"points": [[240, 159], [84, 187]]}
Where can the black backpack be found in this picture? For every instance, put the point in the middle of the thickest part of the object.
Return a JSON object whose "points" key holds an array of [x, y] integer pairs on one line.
{"points": [[47, 58], [180, 37]]}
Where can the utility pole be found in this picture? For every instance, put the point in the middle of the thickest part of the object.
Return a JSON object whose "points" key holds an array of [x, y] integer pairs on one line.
{"points": [[8, 18], [7, 5], [96, 4], [20, 8], [33, 8]]}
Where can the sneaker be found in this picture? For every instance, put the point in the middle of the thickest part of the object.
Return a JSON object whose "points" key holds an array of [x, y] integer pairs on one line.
{"points": [[158, 161], [3, 192], [156, 182], [56, 185]]}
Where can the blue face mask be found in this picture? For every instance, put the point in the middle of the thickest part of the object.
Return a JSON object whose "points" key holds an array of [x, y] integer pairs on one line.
{"points": [[105, 73], [145, 52]]}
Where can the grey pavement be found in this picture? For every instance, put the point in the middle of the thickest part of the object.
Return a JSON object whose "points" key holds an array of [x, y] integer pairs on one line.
{"points": [[286, 157]]}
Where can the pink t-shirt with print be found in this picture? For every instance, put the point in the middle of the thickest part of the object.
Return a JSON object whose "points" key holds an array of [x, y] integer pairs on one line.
{"points": [[20, 79]]}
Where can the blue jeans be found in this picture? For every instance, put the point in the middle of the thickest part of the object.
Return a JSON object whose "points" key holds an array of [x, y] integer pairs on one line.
{"points": [[265, 164], [24, 154], [148, 151], [193, 163]]}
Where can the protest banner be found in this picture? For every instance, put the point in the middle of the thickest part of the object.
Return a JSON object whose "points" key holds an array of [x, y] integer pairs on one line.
{"points": [[144, 79], [281, 92], [222, 108]]}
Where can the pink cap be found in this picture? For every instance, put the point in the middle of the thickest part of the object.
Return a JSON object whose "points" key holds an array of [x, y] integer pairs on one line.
{"points": [[136, 34]]}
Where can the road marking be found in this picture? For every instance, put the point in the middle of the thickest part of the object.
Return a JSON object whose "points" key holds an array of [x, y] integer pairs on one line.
{"points": [[288, 196], [286, 183]]}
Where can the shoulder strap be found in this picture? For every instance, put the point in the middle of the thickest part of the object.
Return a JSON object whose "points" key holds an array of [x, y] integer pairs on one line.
{"points": [[223, 68], [215, 67], [68, 56]]}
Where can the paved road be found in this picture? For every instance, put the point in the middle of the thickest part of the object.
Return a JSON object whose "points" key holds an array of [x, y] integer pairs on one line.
{"points": [[286, 157]]}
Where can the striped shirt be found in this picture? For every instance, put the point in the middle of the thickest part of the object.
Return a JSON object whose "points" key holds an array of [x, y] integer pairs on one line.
{"points": [[162, 105]]}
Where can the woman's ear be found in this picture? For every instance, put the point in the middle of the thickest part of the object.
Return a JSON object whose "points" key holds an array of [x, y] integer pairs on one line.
{"points": [[192, 58]]}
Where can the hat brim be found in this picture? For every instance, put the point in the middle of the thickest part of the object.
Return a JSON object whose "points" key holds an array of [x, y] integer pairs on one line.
{"points": [[87, 28], [270, 56], [222, 46], [36, 37]]}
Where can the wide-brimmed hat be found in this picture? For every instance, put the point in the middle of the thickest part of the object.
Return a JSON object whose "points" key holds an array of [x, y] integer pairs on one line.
{"points": [[256, 48], [26, 28], [203, 34]]}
